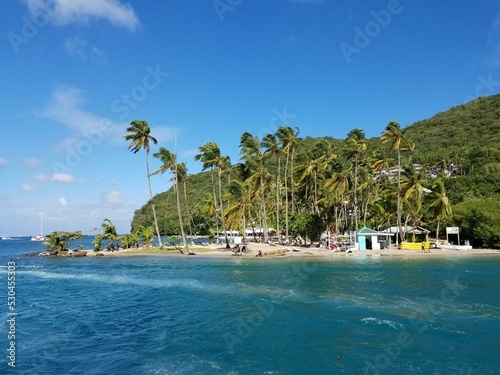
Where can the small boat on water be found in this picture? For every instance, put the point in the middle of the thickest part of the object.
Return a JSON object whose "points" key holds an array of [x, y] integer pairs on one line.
{"points": [[40, 236], [6, 238]]}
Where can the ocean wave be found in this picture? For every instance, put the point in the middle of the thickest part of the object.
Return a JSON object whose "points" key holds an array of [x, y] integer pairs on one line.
{"points": [[376, 321], [129, 280]]}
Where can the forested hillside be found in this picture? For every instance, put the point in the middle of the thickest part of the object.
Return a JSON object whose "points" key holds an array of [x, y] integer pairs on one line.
{"points": [[346, 183]]}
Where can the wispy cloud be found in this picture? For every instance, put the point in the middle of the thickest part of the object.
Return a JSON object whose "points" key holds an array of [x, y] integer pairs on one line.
{"points": [[3, 162], [28, 187], [77, 47], [64, 12], [64, 178], [65, 108], [41, 177], [32, 163]]}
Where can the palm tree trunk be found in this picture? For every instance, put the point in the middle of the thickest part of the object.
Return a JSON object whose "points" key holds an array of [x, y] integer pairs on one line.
{"points": [[400, 229], [178, 201], [356, 193], [215, 206], [222, 209], [278, 195], [187, 209], [152, 202], [264, 214], [286, 198]]}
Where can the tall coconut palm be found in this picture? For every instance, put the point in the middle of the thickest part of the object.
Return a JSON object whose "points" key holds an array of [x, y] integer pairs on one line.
{"points": [[271, 144], [139, 135], [169, 161], [182, 176], [393, 134], [253, 156], [412, 191], [440, 203], [356, 146], [240, 210], [287, 137], [211, 157]]}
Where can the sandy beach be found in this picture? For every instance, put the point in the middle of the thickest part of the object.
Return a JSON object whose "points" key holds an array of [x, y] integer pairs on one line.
{"points": [[215, 250]]}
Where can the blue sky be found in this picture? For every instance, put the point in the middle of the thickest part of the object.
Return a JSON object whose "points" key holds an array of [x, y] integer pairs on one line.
{"points": [[76, 73]]}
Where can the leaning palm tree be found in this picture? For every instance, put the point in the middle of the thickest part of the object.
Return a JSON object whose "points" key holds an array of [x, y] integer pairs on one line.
{"points": [[211, 157], [139, 135], [393, 134], [440, 203], [169, 161]]}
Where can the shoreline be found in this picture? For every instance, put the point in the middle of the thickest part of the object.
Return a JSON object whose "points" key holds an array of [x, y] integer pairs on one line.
{"points": [[291, 251]]}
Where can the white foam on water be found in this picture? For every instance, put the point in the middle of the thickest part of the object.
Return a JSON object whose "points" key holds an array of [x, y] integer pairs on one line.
{"points": [[376, 321], [127, 280]]}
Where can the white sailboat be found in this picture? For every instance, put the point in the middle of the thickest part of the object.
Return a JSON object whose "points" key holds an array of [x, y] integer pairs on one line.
{"points": [[40, 236]]}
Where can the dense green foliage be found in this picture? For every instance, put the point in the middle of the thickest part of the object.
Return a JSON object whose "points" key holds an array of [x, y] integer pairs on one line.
{"points": [[478, 219], [330, 182], [59, 242]]}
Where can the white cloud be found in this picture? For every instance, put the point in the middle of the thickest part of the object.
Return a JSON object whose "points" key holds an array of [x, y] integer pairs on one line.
{"points": [[40, 177], [32, 163], [113, 199], [64, 178], [63, 12], [78, 47], [66, 109], [3, 162], [28, 187], [164, 133], [62, 203]]}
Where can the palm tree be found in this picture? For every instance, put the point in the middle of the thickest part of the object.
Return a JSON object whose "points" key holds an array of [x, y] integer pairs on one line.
{"points": [[412, 190], [287, 137], [139, 135], [440, 203], [253, 156], [241, 208], [169, 161], [271, 144], [182, 177], [109, 232], [147, 234], [356, 146], [393, 134], [211, 157]]}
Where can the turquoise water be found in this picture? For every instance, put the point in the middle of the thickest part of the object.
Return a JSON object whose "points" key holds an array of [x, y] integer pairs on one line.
{"points": [[193, 315]]}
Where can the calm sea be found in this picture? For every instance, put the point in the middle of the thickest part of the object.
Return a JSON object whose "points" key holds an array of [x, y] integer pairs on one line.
{"points": [[193, 315]]}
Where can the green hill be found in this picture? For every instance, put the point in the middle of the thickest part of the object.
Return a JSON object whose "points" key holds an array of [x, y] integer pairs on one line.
{"points": [[465, 138]]}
